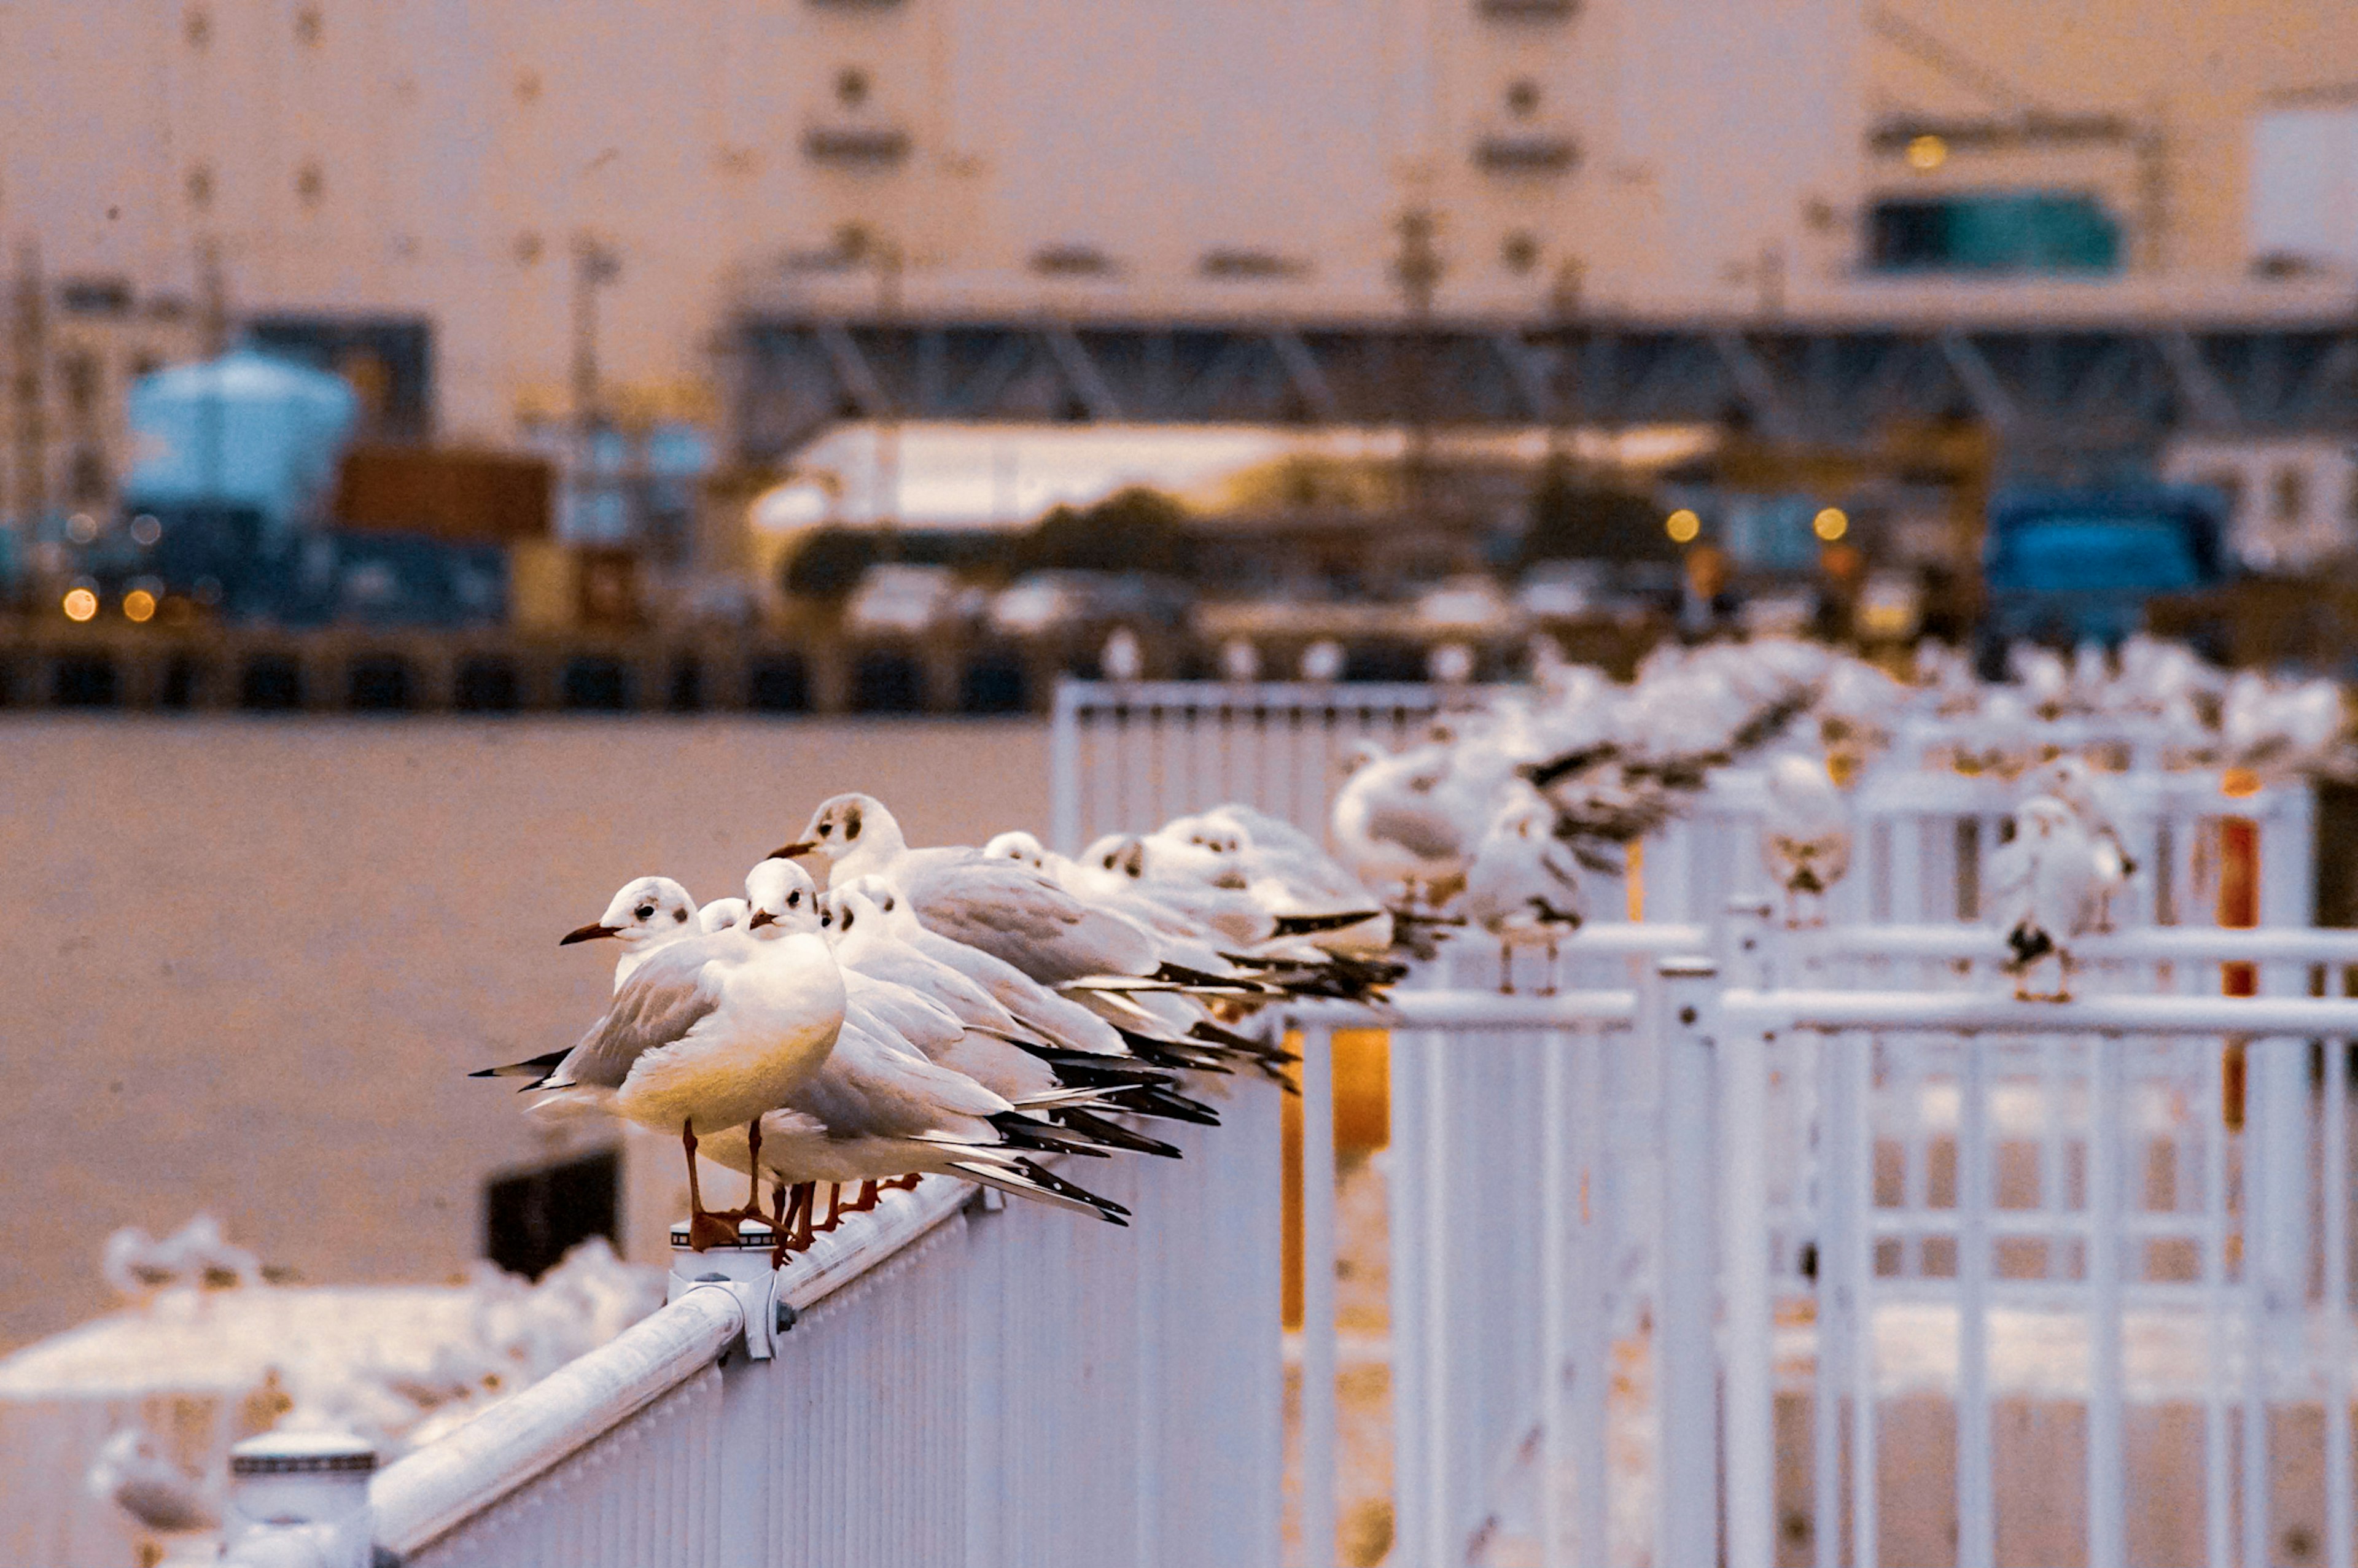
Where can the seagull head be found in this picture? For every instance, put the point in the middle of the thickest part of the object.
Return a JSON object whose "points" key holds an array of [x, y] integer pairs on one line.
{"points": [[2042, 816], [888, 909], [783, 898], [1121, 853], [842, 825], [651, 909], [721, 914], [1018, 846]]}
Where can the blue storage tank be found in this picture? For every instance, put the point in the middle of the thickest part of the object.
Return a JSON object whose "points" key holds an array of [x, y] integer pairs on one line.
{"points": [[246, 433]]}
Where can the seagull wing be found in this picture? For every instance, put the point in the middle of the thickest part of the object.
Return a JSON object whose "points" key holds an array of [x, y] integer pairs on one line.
{"points": [[669, 995], [1016, 915]]}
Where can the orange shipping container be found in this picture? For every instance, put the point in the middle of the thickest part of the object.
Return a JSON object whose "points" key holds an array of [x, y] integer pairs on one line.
{"points": [[445, 493]]}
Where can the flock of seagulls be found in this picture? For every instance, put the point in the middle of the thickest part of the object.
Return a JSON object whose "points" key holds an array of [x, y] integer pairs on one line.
{"points": [[985, 1012], [1503, 818], [969, 1012]]}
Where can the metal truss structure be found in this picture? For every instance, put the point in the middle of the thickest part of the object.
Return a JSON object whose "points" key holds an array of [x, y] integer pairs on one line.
{"points": [[2049, 393]]}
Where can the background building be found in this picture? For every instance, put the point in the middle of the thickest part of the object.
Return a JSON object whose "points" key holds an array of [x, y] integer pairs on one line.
{"points": [[480, 210]]}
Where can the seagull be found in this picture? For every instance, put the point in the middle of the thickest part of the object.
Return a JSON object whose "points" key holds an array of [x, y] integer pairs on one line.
{"points": [[1400, 821], [1804, 836], [132, 1472], [647, 913], [877, 1109], [1006, 909], [1026, 918], [712, 1030], [1068, 1027], [1523, 885], [2042, 891], [996, 1049], [2078, 786]]}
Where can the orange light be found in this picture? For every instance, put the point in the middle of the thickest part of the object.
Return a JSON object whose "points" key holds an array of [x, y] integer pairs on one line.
{"points": [[1682, 525], [1927, 153], [139, 606], [1832, 524], [79, 604], [2238, 783]]}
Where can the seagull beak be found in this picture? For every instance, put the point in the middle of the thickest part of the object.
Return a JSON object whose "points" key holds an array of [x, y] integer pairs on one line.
{"points": [[588, 933], [794, 852], [762, 917]]}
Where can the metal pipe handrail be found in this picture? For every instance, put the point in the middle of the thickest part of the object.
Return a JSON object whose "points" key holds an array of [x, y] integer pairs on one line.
{"points": [[1976, 1011], [421, 1498], [1477, 1010], [424, 1496], [1078, 695], [2144, 944]]}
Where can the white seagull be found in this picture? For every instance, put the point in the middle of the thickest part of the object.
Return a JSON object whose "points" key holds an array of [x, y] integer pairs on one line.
{"points": [[712, 1030], [1523, 885], [645, 914], [1805, 839], [1004, 908], [2042, 893], [876, 1109]]}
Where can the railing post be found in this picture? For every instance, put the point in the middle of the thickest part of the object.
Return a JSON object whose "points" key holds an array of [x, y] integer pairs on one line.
{"points": [[1318, 1290], [1744, 940], [1064, 769], [300, 1499], [752, 1420], [1686, 1369]]}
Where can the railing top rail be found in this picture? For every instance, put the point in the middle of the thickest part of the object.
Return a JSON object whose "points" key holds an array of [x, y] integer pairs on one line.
{"points": [[1974, 1013], [422, 1497], [1094, 696], [2144, 944], [1478, 1010]]}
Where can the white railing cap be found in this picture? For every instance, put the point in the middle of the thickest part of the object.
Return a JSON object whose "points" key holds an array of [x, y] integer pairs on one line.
{"points": [[420, 1499], [1994, 1012]]}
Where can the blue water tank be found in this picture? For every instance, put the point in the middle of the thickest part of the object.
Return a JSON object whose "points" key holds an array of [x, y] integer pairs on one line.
{"points": [[246, 431]]}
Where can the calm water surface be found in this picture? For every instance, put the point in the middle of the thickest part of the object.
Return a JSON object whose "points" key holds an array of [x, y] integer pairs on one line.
{"points": [[250, 962]]}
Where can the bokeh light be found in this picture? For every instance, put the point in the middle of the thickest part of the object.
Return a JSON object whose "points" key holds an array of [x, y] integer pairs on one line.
{"points": [[138, 605], [1682, 525], [1927, 153], [79, 604], [1830, 525]]}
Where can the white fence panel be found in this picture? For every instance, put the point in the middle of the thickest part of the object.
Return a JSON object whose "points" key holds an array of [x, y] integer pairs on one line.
{"points": [[986, 1384], [1128, 756]]}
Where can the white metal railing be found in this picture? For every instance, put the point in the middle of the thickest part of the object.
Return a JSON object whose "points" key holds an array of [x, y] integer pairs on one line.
{"points": [[961, 1382], [1123, 754], [1629, 1219]]}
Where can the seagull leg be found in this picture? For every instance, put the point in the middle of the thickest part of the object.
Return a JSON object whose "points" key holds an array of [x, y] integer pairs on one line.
{"points": [[1506, 967], [834, 1205], [806, 1200], [778, 1224], [704, 1230], [1548, 987], [752, 1209], [866, 1200]]}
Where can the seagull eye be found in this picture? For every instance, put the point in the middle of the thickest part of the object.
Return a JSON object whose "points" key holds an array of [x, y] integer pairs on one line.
{"points": [[825, 829], [646, 912], [679, 914], [793, 898]]}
